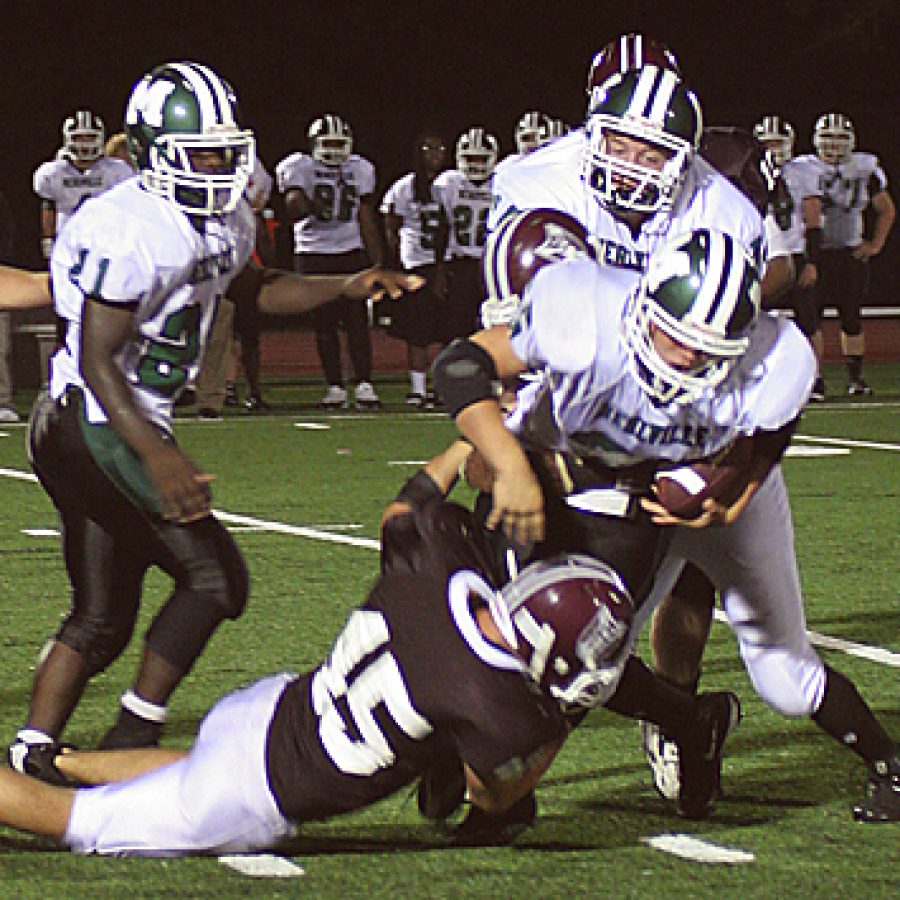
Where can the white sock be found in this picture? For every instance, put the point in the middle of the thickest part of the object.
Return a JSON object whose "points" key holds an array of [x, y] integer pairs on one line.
{"points": [[33, 736], [417, 380], [152, 712]]}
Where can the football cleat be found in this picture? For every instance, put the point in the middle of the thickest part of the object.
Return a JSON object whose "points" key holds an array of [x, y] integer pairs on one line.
{"points": [[335, 398], [859, 388], [882, 803], [365, 397], [481, 829], [700, 761], [38, 760], [817, 394], [131, 732], [256, 404], [441, 790], [662, 757]]}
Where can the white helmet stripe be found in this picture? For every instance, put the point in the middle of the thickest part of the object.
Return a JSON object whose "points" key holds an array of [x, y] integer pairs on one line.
{"points": [[708, 297], [667, 83], [209, 92]]}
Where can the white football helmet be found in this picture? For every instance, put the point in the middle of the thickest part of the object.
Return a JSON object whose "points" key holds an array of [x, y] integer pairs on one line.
{"points": [[702, 291], [834, 138], [330, 140], [83, 136], [777, 137], [178, 116], [531, 131], [651, 105], [476, 154]]}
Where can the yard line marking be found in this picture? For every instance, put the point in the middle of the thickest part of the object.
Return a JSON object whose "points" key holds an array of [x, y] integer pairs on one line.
{"points": [[847, 442], [873, 654], [297, 530], [262, 865], [312, 426], [689, 847], [863, 651], [407, 462], [815, 452]]}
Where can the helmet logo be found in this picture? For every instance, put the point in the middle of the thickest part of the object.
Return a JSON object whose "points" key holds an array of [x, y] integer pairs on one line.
{"points": [[149, 101], [558, 244]]}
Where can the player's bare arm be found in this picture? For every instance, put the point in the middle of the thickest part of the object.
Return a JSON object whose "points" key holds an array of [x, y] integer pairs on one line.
{"points": [[107, 766], [369, 230], [21, 290], [182, 489], [885, 213]]}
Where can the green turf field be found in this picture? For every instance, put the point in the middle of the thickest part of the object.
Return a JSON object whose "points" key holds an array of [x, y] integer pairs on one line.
{"points": [[305, 491]]}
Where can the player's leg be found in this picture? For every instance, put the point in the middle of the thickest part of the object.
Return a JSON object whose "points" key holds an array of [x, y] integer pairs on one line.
{"points": [[752, 562], [855, 283], [211, 585], [215, 799]]}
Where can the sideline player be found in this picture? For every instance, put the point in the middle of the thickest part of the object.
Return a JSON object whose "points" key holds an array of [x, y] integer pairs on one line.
{"points": [[81, 170], [572, 466], [137, 276]]}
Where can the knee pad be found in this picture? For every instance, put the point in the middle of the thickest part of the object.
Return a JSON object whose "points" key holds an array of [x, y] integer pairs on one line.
{"points": [[791, 682], [99, 642]]}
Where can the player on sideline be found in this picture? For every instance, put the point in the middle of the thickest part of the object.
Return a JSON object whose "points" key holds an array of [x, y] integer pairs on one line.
{"points": [[137, 276]]}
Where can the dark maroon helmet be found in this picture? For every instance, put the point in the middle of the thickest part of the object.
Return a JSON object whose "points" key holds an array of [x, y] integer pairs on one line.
{"points": [[630, 51], [519, 247], [570, 616]]}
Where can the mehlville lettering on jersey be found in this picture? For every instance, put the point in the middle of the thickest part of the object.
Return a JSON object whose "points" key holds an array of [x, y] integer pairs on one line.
{"points": [[82, 181]]}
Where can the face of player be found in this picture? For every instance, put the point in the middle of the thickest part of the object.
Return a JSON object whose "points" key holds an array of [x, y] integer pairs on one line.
{"points": [[212, 162], [635, 151], [433, 152], [677, 355]]}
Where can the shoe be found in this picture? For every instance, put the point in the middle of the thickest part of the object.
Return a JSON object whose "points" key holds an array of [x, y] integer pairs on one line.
{"points": [[858, 388], [130, 732], [442, 789], [431, 401], [817, 395], [335, 398], [416, 400], [8, 415], [700, 761], [256, 404], [481, 829], [365, 397], [188, 397], [882, 803], [231, 397], [662, 757], [208, 413], [38, 760]]}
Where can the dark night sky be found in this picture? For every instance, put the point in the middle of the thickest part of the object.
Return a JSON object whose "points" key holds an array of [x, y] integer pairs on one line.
{"points": [[392, 67]]}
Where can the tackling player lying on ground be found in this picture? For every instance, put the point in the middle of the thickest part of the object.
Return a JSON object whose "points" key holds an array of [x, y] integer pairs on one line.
{"points": [[21, 289], [138, 274], [634, 380], [437, 664]]}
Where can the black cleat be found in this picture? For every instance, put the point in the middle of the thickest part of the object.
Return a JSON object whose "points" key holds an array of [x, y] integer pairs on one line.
{"points": [[882, 803], [130, 732], [39, 761], [256, 404], [701, 759], [481, 829], [441, 791]]}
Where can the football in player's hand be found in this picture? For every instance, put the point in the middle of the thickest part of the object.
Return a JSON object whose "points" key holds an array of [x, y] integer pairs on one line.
{"points": [[683, 489]]}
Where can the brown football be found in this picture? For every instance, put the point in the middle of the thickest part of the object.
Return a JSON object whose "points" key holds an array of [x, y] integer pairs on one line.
{"points": [[682, 489]]}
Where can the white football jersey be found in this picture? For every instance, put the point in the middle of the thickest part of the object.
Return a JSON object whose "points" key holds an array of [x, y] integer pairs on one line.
{"points": [[420, 222], [67, 187], [846, 190], [552, 177], [589, 402], [785, 234], [467, 205], [131, 247], [334, 192]]}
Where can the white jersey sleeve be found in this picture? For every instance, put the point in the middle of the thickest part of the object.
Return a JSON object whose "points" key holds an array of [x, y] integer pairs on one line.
{"points": [[132, 248]]}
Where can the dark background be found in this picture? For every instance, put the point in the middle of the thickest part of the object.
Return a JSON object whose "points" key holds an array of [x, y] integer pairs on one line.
{"points": [[391, 68]]}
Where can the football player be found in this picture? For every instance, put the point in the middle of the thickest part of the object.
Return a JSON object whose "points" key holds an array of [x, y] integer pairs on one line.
{"points": [[674, 369], [81, 170], [138, 274], [465, 195], [329, 195], [847, 182], [415, 226], [453, 664], [793, 232]]}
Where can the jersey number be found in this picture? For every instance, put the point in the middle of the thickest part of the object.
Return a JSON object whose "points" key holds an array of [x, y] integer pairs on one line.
{"points": [[164, 361], [468, 226], [357, 678], [324, 206]]}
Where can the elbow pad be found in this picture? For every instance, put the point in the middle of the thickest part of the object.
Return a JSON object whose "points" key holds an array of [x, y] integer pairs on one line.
{"points": [[464, 373]]}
